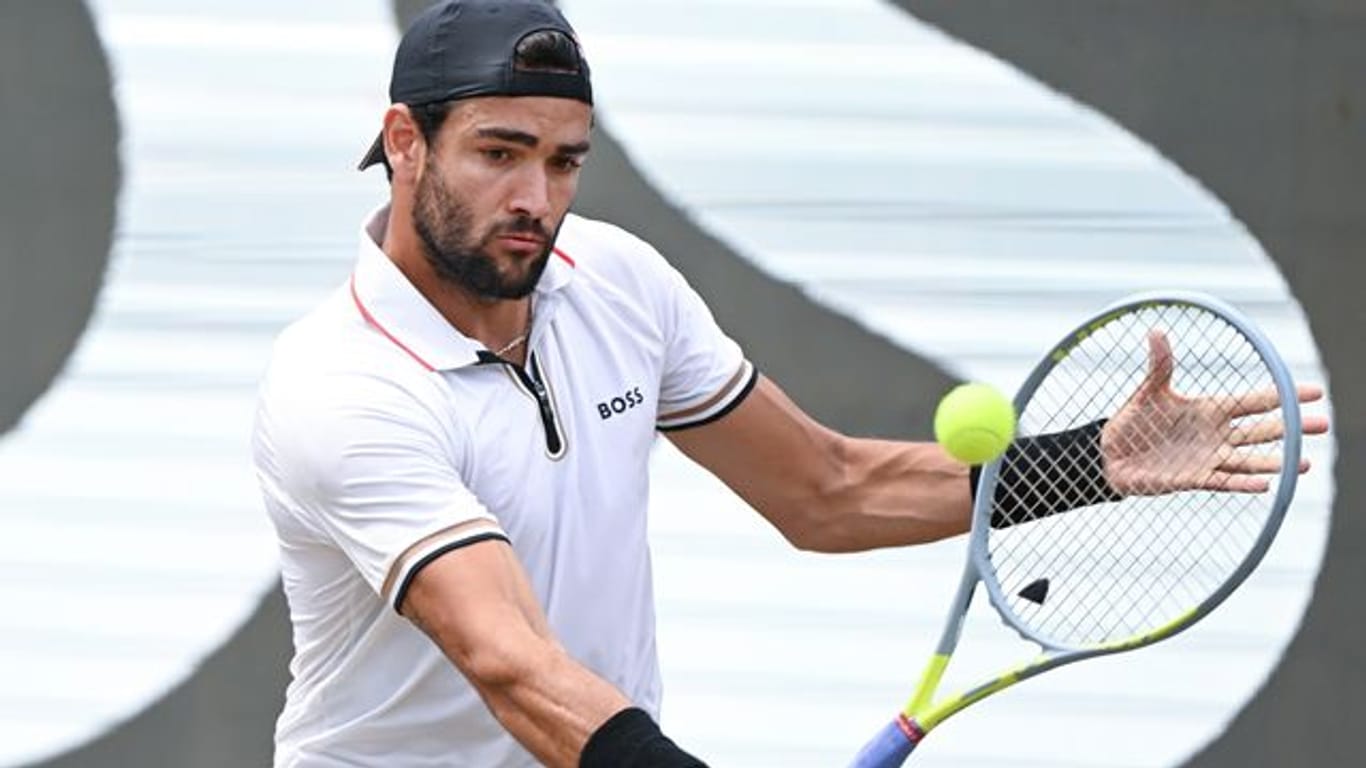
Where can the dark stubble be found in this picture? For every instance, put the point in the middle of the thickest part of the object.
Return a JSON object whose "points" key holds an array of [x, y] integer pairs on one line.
{"points": [[444, 225]]}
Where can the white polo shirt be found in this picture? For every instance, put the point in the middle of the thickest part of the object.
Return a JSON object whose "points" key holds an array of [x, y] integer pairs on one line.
{"points": [[380, 426]]}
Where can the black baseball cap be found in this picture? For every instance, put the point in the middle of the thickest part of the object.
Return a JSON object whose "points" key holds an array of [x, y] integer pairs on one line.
{"points": [[459, 49]]}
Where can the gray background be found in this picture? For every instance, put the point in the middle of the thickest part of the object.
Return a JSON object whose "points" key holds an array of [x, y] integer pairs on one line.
{"points": [[58, 136], [1262, 100]]}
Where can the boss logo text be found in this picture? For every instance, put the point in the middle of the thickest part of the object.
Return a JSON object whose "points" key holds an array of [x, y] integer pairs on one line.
{"points": [[619, 405]]}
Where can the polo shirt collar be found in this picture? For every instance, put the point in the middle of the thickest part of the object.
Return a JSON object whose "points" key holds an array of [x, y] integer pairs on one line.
{"points": [[393, 306]]}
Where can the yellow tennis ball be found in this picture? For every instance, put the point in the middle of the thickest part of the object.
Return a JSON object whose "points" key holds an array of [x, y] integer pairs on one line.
{"points": [[974, 423]]}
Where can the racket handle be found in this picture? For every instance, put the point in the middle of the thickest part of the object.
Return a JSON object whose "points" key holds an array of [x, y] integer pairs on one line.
{"points": [[891, 746]]}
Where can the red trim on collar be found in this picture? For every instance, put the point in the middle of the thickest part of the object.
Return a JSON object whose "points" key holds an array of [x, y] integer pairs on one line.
{"points": [[566, 257], [365, 313]]}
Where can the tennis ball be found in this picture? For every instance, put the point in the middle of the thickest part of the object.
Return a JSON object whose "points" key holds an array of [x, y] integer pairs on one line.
{"points": [[974, 423]]}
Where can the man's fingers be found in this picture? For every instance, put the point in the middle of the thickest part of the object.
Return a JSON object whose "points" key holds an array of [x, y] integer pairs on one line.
{"points": [[1235, 483], [1309, 393], [1240, 482], [1251, 463], [1264, 400], [1267, 430], [1249, 403], [1257, 432], [1243, 462], [1160, 363]]}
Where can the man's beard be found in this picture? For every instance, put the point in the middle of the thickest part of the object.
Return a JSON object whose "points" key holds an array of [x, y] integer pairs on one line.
{"points": [[443, 224]]}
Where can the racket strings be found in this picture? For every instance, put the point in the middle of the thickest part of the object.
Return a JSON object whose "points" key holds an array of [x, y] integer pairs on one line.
{"points": [[1187, 586], [1180, 579], [1120, 569], [1049, 402]]}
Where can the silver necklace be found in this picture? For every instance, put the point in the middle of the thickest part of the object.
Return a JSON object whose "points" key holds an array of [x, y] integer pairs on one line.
{"points": [[511, 345]]}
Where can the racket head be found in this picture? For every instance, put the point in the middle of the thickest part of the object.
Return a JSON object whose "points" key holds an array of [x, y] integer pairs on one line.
{"points": [[1123, 574]]}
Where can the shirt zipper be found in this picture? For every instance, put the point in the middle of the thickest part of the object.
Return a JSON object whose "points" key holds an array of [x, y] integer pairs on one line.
{"points": [[531, 379]]}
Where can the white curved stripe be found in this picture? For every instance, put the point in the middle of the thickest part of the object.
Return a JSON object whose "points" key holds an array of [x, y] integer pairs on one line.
{"points": [[135, 542], [958, 208]]}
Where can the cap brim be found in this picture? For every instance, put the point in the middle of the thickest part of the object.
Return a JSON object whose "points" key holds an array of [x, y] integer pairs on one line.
{"points": [[375, 155]]}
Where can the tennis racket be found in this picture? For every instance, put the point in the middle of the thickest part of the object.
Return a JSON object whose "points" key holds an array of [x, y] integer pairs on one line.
{"points": [[1204, 431]]}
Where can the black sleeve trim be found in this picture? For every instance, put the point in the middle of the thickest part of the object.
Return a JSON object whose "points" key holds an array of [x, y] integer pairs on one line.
{"points": [[726, 409], [402, 591]]}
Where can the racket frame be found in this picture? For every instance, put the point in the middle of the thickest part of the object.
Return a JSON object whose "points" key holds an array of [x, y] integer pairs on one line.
{"points": [[922, 713]]}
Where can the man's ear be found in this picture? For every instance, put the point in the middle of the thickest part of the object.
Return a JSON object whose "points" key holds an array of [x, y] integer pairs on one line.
{"points": [[403, 143]]}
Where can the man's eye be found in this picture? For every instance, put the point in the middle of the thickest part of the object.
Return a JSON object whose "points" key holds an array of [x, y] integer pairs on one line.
{"points": [[568, 163], [497, 155]]}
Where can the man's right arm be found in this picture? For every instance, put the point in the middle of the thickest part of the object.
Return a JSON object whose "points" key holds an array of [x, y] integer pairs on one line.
{"points": [[476, 604], [362, 461]]}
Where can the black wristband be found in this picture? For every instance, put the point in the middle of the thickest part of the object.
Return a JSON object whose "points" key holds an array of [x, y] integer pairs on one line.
{"points": [[1048, 474], [630, 739]]}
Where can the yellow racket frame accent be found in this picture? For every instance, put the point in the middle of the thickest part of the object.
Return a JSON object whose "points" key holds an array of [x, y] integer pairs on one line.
{"points": [[927, 714]]}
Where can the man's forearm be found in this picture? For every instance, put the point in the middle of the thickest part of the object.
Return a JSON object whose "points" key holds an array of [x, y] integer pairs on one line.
{"points": [[825, 491], [567, 716], [894, 494], [550, 703], [476, 605]]}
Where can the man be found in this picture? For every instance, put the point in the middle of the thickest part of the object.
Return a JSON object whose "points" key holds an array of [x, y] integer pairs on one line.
{"points": [[454, 448]]}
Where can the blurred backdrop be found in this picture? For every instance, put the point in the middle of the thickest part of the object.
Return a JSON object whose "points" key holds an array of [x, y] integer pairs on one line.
{"points": [[876, 198]]}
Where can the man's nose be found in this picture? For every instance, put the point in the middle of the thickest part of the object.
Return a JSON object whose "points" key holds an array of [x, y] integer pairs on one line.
{"points": [[531, 195]]}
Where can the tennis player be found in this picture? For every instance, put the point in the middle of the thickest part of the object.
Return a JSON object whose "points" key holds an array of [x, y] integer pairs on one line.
{"points": [[453, 448]]}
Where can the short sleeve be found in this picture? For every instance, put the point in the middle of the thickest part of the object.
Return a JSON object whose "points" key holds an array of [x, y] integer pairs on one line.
{"points": [[367, 465], [705, 372]]}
